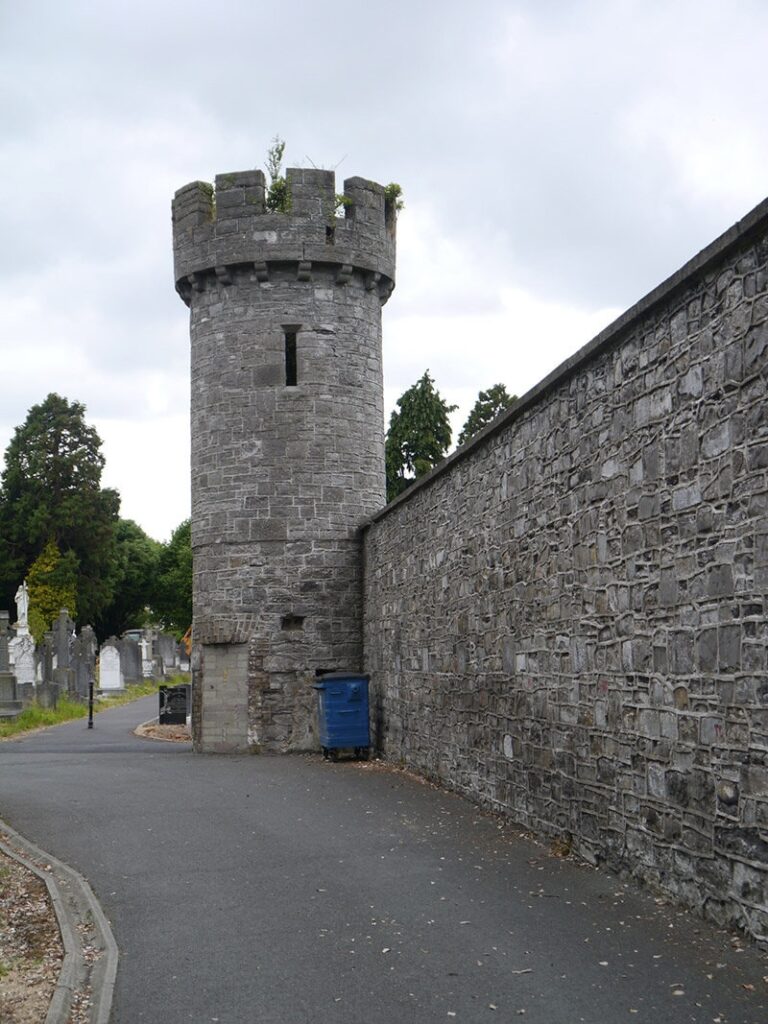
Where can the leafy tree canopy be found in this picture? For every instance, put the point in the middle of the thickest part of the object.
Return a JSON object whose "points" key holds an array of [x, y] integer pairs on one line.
{"points": [[172, 603], [52, 582], [487, 407], [419, 435], [50, 490], [137, 557]]}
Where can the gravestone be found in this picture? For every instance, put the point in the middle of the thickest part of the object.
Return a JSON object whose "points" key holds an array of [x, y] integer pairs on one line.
{"points": [[22, 656], [165, 647], [174, 705], [90, 646], [47, 695], [182, 657], [147, 661], [110, 676], [47, 690], [130, 659], [63, 674], [22, 648], [75, 665], [44, 659], [84, 650], [10, 705]]}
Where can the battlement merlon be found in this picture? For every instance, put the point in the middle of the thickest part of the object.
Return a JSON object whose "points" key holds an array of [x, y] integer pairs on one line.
{"points": [[228, 225]]}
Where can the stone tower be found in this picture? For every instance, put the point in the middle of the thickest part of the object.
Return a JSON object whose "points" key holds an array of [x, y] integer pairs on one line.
{"points": [[287, 441]]}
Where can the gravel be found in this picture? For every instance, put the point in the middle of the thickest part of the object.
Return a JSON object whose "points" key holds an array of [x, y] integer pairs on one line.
{"points": [[30, 945]]}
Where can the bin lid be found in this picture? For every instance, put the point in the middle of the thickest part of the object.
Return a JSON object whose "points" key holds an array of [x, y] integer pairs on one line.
{"points": [[335, 677]]}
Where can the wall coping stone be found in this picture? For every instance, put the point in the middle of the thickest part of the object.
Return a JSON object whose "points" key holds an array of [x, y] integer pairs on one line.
{"points": [[751, 224]]}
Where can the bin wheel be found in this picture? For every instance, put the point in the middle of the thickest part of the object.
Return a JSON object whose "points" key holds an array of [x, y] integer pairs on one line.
{"points": [[334, 755], [365, 753], [325, 753]]}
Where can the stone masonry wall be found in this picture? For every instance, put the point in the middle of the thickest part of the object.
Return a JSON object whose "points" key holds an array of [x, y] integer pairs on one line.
{"points": [[567, 620]]}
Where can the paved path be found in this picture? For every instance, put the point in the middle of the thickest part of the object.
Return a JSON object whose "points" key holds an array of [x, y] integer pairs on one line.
{"points": [[287, 890]]}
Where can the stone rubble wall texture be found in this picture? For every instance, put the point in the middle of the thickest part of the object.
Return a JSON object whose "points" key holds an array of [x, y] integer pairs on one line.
{"points": [[283, 476], [567, 620]]}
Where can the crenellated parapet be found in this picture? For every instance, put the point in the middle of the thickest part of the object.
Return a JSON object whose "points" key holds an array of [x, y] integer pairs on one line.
{"points": [[226, 230]]}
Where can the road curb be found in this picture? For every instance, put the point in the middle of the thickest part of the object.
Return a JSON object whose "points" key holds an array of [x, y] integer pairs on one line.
{"points": [[90, 951], [138, 731]]}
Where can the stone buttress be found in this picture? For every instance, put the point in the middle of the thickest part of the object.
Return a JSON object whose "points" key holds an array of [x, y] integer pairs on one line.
{"points": [[287, 441]]}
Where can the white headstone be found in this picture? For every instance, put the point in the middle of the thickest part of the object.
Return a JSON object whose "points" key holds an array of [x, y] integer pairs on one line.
{"points": [[110, 676], [146, 658], [22, 652]]}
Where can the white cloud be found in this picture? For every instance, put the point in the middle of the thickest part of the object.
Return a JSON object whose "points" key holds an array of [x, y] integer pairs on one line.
{"points": [[147, 461], [460, 314], [517, 346], [558, 161]]}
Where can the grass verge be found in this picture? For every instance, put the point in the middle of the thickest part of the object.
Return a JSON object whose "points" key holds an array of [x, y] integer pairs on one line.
{"points": [[35, 717]]}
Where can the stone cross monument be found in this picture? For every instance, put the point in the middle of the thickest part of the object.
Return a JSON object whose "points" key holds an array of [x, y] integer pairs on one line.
{"points": [[63, 674], [287, 440]]}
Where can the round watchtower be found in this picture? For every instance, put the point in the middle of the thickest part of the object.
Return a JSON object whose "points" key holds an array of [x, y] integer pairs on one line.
{"points": [[287, 441]]}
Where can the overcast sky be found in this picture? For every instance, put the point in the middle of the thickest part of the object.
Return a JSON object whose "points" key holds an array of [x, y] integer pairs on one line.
{"points": [[557, 159]]}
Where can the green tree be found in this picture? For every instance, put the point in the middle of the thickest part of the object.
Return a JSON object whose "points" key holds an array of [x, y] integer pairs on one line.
{"points": [[487, 407], [137, 557], [419, 435], [51, 489], [172, 603], [52, 582]]}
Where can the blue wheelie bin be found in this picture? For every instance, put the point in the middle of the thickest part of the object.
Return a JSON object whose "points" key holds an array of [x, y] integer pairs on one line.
{"points": [[343, 714]]}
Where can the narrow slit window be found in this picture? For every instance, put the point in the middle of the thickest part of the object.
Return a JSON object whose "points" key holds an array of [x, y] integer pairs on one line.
{"points": [[291, 370]]}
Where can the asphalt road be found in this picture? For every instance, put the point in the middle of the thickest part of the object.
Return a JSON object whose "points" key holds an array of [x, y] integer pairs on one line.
{"points": [[288, 890]]}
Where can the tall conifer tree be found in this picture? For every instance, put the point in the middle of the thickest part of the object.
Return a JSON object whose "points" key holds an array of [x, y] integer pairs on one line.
{"points": [[50, 490], [419, 435]]}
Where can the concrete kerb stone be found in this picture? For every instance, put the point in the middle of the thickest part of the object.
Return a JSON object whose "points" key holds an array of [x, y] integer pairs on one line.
{"points": [[81, 922], [141, 732], [71, 965]]}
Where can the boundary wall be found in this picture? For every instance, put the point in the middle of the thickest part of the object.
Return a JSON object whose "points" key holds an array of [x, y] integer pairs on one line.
{"points": [[566, 620]]}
